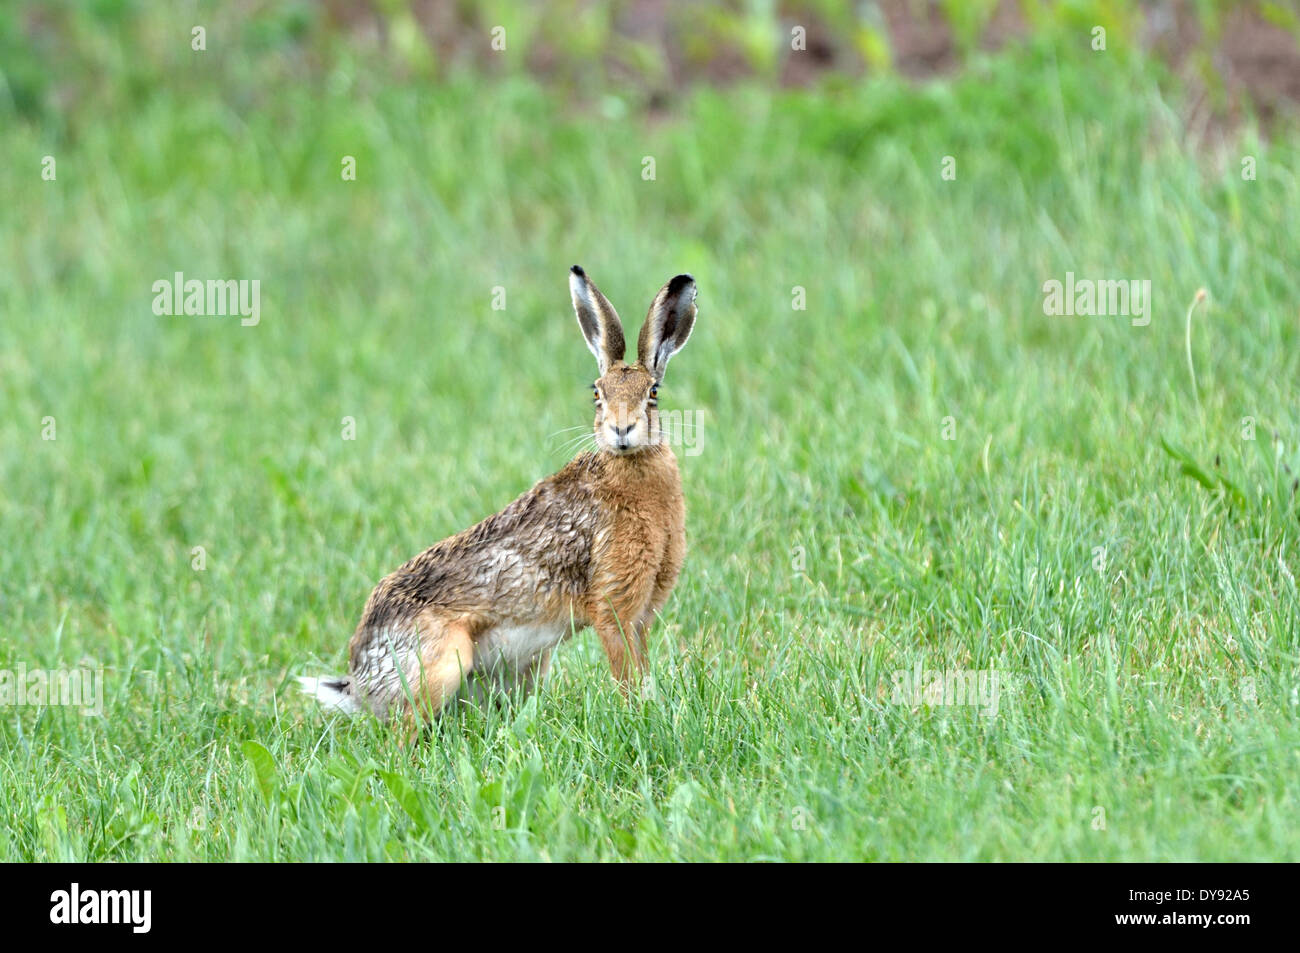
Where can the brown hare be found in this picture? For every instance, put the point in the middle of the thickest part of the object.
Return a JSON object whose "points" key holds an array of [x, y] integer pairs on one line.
{"points": [[598, 544]]}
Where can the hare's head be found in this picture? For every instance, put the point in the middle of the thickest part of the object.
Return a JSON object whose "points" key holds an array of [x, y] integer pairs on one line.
{"points": [[626, 395]]}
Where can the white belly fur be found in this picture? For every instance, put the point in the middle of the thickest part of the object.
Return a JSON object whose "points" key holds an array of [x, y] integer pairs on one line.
{"points": [[515, 647]]}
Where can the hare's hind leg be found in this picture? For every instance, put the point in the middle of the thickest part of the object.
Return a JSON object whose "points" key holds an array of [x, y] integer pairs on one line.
{"points": [[446, 657]]}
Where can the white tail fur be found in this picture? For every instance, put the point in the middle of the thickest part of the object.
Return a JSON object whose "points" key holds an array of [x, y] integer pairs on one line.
{"points": [[334, 694]]}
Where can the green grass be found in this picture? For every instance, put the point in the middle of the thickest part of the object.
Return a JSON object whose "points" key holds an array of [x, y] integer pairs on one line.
{"points": [[835, 536]]}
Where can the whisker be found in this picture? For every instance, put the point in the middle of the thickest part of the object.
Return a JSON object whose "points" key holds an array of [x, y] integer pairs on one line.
{"points": [[573, 451], [573, 443], [578, 431], [566, 430]]}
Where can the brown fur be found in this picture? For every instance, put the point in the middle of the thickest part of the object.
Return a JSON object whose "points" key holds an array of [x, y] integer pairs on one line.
{"points": [[598, 544]]}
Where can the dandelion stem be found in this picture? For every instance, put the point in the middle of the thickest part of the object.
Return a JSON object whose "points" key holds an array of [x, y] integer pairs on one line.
{"points": [[1187, 339]]}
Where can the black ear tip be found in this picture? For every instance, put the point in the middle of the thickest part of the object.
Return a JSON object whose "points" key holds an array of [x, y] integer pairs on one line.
{"points": [[577, 270], [679, 282]]}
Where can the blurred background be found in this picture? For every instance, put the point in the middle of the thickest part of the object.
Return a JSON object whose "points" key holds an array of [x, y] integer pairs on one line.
{"points": [[61, 56]]}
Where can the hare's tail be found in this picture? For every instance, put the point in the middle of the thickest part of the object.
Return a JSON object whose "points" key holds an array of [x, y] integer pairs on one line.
{"points": [[335, 694]]}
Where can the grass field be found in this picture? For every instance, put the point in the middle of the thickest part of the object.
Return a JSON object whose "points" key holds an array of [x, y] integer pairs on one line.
{"points": [[1145, 631]]}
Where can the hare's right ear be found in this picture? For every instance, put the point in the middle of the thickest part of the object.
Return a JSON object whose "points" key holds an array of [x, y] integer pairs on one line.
{"points": [[598, 320], [667, 325]]}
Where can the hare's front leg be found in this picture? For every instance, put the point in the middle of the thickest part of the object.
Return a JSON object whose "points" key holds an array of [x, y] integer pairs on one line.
{"points": [[617, 619], [665, 580], [624, 644]]}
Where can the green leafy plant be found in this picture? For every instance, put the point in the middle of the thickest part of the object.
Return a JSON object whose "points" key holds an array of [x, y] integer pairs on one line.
{"points": [[1269, 488]]}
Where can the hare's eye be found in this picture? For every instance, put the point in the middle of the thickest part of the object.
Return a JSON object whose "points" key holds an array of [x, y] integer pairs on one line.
{"points": [[595, 395], [654, 392]]}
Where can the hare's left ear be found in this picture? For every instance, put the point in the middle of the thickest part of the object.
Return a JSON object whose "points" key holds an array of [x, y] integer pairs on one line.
{"points": [[597, 318], [667, 325]]}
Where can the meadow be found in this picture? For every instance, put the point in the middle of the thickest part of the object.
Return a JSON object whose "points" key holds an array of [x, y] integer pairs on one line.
{"points": [[902, 462]]}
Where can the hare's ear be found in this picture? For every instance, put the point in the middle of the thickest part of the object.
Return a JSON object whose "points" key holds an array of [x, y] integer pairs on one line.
{"points": [[597, 318], [667, 325]]}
